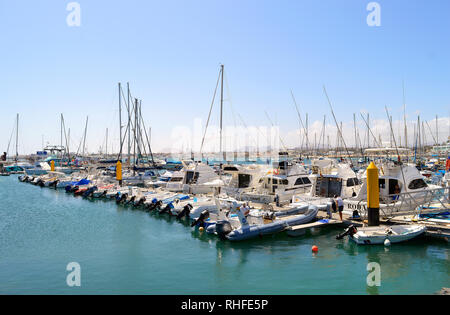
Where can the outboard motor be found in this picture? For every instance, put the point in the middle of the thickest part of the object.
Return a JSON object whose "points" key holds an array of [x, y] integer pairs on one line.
{"points": [[201, 219], [121, 198], [89, 192], [350, 231], [152, 206], [223, 228], [139, 202], [167, 209], [131, 200], [103, 195], [185, 212], [53, 184], [73, 189], [68, 188]]}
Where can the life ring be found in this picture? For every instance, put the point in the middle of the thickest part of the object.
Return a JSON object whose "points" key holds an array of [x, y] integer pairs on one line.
{"points": [[276, 172]]}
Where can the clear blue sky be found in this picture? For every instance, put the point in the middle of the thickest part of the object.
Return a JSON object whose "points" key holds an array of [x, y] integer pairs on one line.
{"points": [[170, 52]]}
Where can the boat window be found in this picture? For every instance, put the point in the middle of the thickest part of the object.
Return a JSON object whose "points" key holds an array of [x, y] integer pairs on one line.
{"points": [[382, 183], [230, 168], [244, 180], [275, 181], [306, 180], [352, 182], [176, 179], [299, 181], [284, 182], [328, 187], [394, 186], [191, 177], [417, 183]]}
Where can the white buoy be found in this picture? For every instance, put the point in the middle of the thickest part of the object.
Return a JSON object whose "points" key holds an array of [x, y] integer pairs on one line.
{"points": [[387, 242]]}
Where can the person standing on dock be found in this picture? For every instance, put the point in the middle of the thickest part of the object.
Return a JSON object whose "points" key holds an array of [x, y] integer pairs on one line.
{"points": [[277, 200], [340, 205]]}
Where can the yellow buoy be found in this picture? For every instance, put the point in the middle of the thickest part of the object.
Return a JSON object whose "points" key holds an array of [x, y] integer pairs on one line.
{"points": [[52, 165]]}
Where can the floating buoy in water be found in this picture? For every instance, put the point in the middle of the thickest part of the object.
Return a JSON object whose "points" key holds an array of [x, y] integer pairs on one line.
{"points": [[315, 249], [387, 242], [201, 229]]}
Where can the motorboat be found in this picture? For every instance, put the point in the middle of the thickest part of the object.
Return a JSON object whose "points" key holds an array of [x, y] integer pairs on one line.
{"points": [[380, 234]]}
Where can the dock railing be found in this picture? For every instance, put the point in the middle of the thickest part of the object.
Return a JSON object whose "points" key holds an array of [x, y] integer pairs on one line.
{"points": [[414, 202]]}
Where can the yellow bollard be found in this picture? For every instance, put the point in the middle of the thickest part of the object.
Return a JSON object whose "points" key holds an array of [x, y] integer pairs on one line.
{"points": [[373, 195], [119, 172], [52, 165]]}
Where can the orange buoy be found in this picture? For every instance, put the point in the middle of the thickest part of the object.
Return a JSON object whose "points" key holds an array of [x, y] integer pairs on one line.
{"points": [[315, 249]]}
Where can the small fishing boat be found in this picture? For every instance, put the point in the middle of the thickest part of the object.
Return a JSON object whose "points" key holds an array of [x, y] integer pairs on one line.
{"points": [[379, 234]]}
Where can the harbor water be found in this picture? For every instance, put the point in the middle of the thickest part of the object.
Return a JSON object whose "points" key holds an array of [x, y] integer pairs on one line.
{"points": [[126, 251]]}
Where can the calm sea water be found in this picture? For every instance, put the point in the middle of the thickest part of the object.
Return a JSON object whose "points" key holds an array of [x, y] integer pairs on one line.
{"points": [[123, 251]]}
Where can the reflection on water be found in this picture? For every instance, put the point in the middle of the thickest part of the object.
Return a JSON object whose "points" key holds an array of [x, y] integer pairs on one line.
{"points": [[124, 250]]}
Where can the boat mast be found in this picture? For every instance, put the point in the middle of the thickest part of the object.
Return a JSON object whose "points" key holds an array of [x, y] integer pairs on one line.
{"points": [[129, 125], [221, 112], [120, 121], [437, 131], [106, 142], [84, 138], [404, 115], [17, 138], [368, 130]]}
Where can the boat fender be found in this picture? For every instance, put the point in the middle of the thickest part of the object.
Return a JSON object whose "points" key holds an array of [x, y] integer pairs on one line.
{"points": [[387, 242], [201, 219]]}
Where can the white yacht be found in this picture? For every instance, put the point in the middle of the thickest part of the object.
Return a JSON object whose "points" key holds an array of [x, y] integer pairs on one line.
{"points": [[196, 178]]}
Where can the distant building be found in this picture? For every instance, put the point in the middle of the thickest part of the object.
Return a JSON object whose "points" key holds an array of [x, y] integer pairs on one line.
{"points": [[442, 149]]}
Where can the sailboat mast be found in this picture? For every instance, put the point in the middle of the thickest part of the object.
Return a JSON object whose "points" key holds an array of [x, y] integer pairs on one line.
{"points": [[437, 131], [129, 124], [84, 138], [404, 115], [17, 138], [106, 142], [221, 110], [120, 120]]}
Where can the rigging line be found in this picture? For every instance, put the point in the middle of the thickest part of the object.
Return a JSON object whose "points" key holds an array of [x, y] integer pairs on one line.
{"points": [[370, 130], [148, 142], [431, 132], [210, 110], [279, 136], [10, 139], [130, 112], [396, 149], [300, 120], [229, 98], [337, 125], [248, 129]]}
